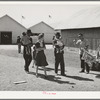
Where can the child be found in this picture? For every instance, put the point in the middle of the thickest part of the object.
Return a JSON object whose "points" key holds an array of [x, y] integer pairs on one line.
{"points": [[26, 41], [58, 45]]}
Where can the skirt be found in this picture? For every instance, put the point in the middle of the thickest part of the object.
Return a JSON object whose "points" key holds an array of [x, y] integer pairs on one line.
{"points": [[41, 59]]}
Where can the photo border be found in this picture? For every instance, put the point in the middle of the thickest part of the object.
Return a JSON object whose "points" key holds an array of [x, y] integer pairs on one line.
{"points": [[50, 97]]}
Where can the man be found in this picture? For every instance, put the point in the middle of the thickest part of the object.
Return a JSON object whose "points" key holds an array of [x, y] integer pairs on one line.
{"points": [[83, 44], [27, 56], [19, 44], [58, 52]]}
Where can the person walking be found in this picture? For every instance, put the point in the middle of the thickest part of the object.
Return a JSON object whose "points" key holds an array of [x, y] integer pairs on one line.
{"points": [[19, 44], [27, 55], [58, 53], [40, 59]]}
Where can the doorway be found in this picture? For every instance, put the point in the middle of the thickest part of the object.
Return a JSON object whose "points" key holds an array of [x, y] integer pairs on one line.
{"points": [[6, 37]]}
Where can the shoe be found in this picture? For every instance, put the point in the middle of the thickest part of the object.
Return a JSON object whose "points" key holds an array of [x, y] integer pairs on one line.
{"points": [[87, 72], [37, 75], [27, 72], [45, 76], [63, 74], [82, 71], [56, 74]]}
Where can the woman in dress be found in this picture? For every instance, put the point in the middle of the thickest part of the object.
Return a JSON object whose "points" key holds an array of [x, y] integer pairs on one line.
{"points": [[40, 60]]}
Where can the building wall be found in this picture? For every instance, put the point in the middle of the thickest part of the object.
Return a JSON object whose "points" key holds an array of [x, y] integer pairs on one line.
{"points": [[91, 34], [43, 28], [7, 24]]}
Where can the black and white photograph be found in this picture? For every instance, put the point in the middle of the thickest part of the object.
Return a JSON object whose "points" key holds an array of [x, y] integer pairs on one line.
{"points": [[50, 48]]}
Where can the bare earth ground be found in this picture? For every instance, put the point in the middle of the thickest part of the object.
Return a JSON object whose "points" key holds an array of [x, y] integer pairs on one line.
{"points": [[12, 70]]}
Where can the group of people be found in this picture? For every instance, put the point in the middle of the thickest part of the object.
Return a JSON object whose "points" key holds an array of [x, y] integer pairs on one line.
{"points": [[39, 56]]}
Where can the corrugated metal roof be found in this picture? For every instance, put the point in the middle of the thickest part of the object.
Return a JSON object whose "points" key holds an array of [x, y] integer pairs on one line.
{"points": [[85, 18]]}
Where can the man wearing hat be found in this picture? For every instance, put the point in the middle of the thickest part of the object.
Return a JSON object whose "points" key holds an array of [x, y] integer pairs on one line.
{"points": [[58, 52], [83, 44], [27, 55]]}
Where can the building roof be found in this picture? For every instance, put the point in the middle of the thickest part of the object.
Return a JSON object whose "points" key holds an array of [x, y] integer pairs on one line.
{"points": [[13, 20], [86, 18], [40, 23]]}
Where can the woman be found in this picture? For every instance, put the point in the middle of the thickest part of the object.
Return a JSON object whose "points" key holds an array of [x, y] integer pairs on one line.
{"points": [[27, 52], [40, 59]]}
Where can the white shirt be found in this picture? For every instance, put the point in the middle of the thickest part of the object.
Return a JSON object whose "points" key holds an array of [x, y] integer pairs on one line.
{"points": [[82, 45]]}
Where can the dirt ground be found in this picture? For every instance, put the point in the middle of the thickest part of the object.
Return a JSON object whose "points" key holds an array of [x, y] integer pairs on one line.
{"points": [[12, 70]]}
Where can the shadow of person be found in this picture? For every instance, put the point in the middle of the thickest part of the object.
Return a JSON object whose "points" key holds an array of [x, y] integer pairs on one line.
{"points": [[97, 75], [52, 78], [79, 78], [47, 69], [50, 69]]}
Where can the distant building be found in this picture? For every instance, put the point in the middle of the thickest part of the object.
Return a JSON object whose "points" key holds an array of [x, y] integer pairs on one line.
{"points": [[9, 30], [42, 27], [86, 22]]}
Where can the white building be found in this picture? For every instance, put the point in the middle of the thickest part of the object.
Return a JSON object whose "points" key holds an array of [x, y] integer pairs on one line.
{"points": [[9, 30], [42, 27]]}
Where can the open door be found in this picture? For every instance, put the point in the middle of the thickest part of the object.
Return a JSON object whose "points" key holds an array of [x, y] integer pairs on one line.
{"points": [[6, 37]]}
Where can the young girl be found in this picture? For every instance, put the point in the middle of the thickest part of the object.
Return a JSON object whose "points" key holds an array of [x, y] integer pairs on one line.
{"points": [[40, 56]]}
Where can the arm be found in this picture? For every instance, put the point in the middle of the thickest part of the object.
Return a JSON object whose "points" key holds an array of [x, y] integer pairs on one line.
{"points": [[39, 49], [31, 44]]}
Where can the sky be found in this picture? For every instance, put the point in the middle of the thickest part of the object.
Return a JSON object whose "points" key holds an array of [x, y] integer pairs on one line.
{"points": [[36, 12]]}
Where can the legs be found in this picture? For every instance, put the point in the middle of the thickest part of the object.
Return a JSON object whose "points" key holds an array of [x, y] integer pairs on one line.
{"points": [[62, 65], [43, 68], [37, 71], [56, 63], [82, 64], [28, 59], [19, 48], [26, 63], [33, 63], [59, 59], [87, 68]]}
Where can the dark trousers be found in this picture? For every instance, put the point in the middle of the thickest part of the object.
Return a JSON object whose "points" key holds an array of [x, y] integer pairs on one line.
{"points": [[59, 59], [28, 59], [19, 48], [84, 65]]}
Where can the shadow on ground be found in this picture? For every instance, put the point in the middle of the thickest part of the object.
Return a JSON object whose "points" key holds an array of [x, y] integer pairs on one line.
{"points": [[50, 69], [97, 75], [52, 78], [79, 78]]}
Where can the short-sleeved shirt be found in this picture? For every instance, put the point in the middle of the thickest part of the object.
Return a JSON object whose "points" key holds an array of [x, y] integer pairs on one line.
{"points": [[25, 40]]}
